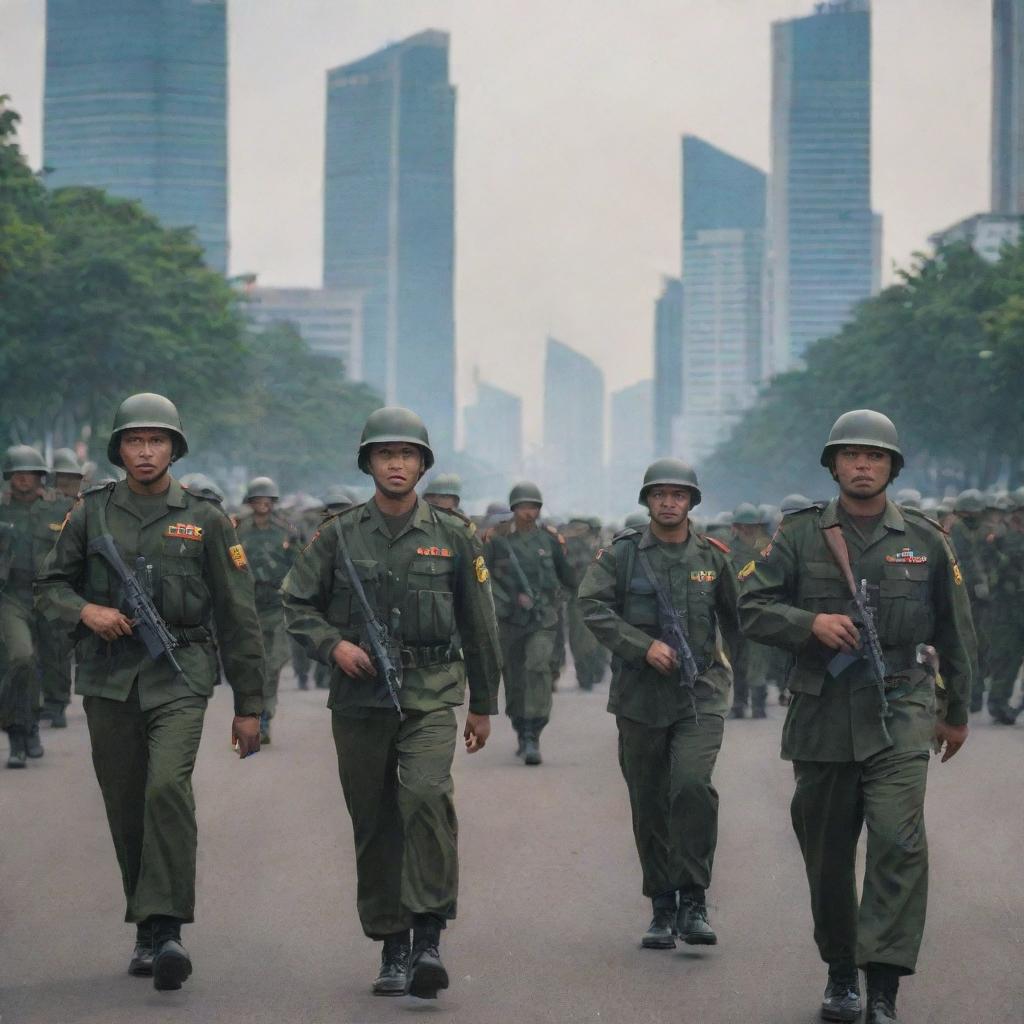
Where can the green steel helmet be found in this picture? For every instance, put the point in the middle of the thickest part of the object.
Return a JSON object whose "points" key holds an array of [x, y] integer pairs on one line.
{"points": [[637, 520], [747, 514], [868, 429], [970, 501], [66, 461], [445, 484], [670, 471], [793, 503], [1018, 497], [995, 501], [146, 410], [393, 423], [909, 496], [524, 491], [200, 483], [339, 496], [23, 458], [262, 487]]}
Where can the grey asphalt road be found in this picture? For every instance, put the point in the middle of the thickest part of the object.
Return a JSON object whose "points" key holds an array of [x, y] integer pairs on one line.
{"points": [[551, 912]]}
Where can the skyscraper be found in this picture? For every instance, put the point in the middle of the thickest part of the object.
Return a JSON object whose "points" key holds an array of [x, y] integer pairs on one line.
{"points": [[494, 429], [389, 219], [631, 447], [723, 261], [573, 458], [820, 224], [1008, 106], [668, 362], [136, 103]]}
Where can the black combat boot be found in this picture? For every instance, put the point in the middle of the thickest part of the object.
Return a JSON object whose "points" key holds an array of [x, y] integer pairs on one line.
{"points": [[264, 729], [1001, 712], [141, 963], [841, 1000], [58, 717], [171, 962], [661, 933], [394, 966], [758, 699], [18, 756], [692, 920], [427, 975], [33, 744], [738, 711], [531, 742], [883, 982]]}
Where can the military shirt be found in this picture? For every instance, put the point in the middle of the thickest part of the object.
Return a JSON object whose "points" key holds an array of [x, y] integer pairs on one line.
{"points": [[197, 575], [27, 533], [917, 590], [426, 584], [620, 607], [970, 546], [270, 551], [541, 556]]}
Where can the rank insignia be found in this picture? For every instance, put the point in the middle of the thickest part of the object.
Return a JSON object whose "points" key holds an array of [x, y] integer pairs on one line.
{"points": [[56, 527], [480, 566], [958, 576], [435, 551], [184, 531], [747, 570], [237, 553], [703, 576], [907, 556]]}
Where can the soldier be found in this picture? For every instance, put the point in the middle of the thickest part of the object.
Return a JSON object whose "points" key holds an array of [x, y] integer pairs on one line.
{"points": [[201, 484], [145, 718], [859, 741], [969, 542], [421, 570], [29, 524], [68, 473], [670, 724], [270, 544], [338, 499], [1004, 560], [529, 568], [582, 539], [637, 520], [444, 491]]}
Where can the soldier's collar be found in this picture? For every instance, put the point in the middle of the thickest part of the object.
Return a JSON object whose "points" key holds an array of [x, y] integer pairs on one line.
{"points": [[648, 540], [421, 517], [892, 517]]}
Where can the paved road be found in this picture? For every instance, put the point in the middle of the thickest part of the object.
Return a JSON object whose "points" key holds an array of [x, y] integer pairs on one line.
{"points": [[551, 912]]}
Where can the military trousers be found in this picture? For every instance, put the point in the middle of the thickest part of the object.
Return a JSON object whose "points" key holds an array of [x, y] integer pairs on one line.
{"points": [[673, 803], [20, 686], [397, 780], [1006, 649], [831, 804], [55, 650], [275, 653], [589, 657], [527, 671], [144, 762]]}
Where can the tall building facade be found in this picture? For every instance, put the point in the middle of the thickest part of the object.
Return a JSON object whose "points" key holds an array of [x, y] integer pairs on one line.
{"points": [[136, 103], [723, 260], [494, 429], [820, 223], [573, 457], [1008, 106], [631, 444], [668, 363], [389, 219]]}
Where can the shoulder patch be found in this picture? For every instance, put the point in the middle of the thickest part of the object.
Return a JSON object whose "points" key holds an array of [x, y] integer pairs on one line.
{"points": [[97, 488], [715, 542], [237, 553], [747, 570]]}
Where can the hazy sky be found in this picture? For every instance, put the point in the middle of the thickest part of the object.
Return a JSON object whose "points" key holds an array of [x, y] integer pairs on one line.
{"points": [[569, 119]]}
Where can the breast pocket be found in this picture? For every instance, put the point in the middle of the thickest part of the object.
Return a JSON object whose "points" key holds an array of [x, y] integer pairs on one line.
{"points": [[429, 614], [700, 599], [905, 615], [344, 608], [184, 596], [823, 589], [641, 603]]}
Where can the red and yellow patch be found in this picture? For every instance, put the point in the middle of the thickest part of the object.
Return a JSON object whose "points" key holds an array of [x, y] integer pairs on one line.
{"points": [[703, 576], [747, 570], [237, 553], [958, 576], [184, 531], [435, 551], [482, 573]]}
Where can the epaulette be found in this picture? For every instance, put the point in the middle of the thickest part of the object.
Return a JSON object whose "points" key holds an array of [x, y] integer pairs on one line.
{"points": [[715, 542], [554, 533], [817, 506], [205, 495], [460, 515], [628, 531], [906, 509], [96, 488]]}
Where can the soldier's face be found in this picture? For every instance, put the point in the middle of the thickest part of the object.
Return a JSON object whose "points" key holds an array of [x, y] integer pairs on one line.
{"points": [[395, 468], [68, 484], [862, 472], [526, 513], [26, 485], [669, 506], [146, 454], [261, 506]]}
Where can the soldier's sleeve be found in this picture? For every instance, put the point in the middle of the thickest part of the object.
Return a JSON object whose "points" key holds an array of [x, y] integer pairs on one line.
{"points": [[478, 629], [767, 589], [503, 600], [234, 611], [599, 605], [306, 593], [565, 572], [954, 637], [60, 578], [726, 597]]}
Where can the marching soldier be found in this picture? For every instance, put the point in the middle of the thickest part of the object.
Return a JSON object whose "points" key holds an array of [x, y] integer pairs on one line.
{"points": [[145, 712], [444, 491], [968, 535], [582, 539], [655, 598], [529, 568], [863, 715], [408, 576], [67, 473]]}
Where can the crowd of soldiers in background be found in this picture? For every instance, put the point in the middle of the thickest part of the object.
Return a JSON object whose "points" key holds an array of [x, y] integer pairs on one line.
{"points": [[986, 529]]}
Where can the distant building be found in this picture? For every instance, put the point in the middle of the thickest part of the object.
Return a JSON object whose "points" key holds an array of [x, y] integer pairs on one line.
{"points": [[494, 429], [723, 261], [1008, 106], [668, 362], [389, 219], [573, 456], [331, 322], [631, 447], [822, 232], [136, 103], [985, 233]]}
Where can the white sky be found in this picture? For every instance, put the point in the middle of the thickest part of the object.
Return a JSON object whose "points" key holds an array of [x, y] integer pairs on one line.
{"points": [[569, 118]]}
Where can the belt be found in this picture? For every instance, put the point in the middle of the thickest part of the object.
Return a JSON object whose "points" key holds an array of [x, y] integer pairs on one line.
{"points": [[186, 635], [899, 660], [425, 657]]}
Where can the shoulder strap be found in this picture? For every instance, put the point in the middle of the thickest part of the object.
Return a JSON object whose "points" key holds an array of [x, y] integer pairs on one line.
{"points": [[715, 542], [624, 566]]}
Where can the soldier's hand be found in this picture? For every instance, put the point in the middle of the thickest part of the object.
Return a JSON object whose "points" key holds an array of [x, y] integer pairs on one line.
{"points": [[106, 623], [950, 737], [661, 657], [523, 600], [353, 660], [477, 732], [837, 632], [245, 732]]}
